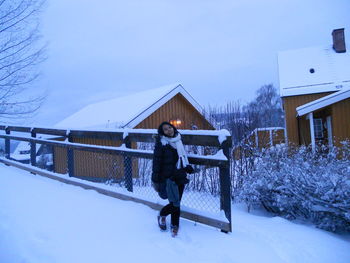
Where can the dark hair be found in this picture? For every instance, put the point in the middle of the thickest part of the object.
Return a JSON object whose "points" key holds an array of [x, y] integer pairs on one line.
{"points": [[160, 129]]}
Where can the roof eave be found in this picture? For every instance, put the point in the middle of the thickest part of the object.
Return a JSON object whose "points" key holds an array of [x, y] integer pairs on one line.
{"points": [[322, 102]]}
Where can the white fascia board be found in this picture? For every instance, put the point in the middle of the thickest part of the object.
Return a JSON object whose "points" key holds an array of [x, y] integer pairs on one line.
{"points": [[323, 102], [309, 89], [191, 99], [194, 103], [152, 108]]}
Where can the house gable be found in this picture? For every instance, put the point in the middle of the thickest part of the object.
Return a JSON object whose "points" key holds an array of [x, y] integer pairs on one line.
{"points": [[180, 108], [178, 90]]}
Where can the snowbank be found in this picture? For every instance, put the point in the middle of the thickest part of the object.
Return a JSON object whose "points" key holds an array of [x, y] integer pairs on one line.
{"points": [[42, 221]]}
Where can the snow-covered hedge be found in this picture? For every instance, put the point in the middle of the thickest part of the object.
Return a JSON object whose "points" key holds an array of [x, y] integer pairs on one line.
{"points": [[301, 184]]}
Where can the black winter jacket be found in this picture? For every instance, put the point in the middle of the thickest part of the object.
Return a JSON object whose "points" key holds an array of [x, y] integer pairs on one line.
{"points": [[165, 158]]}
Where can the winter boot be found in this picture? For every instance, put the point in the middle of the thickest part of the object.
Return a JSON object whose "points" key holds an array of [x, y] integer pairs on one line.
{"points": [[174, 230], [162, 222]]}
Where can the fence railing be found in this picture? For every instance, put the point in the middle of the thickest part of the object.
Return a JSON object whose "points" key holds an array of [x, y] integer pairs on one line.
{"points": [[123, 159]]}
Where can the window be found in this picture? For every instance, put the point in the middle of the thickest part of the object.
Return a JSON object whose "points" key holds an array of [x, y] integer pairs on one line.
{"points": [[318, 127], [177, 122]]}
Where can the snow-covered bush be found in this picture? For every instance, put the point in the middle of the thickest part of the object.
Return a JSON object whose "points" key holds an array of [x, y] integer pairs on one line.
{"points": [[2, 147], [299, 183], [45, 161]]}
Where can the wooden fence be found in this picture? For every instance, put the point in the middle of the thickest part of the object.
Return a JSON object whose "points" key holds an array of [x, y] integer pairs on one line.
{"points": [[221, 140]]}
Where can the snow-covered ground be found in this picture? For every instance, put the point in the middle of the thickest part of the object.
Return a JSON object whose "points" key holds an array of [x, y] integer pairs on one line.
{"points": [[45, 221]]}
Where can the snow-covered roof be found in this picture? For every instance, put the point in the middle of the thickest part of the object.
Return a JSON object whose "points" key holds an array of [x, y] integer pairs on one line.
{"points": [[126, 111], [313, 70], [22, 151], [323, 102]]}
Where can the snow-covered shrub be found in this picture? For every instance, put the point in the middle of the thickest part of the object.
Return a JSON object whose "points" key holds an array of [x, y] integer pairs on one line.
{"points": [[45, 161], [2, 147], [243, 164], [300, 183]]}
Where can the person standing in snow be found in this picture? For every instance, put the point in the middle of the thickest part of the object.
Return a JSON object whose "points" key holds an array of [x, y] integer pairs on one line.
{"points": [[169, 175]]}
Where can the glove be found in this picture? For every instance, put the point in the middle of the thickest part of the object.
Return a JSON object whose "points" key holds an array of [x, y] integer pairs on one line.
{"points": [[189, 169]]}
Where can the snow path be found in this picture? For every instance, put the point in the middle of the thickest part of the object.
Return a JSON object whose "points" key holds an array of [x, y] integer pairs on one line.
{"points": [[42, 220]]}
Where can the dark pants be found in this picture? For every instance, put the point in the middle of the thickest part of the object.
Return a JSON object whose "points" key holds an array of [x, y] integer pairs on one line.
{"points": [[172, 210]]}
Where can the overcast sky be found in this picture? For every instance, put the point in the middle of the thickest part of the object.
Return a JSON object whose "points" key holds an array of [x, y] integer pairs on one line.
{"points": [[220, 50]]}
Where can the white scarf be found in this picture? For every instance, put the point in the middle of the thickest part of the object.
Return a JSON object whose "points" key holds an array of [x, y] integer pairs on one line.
{"points": [[176, 143]]}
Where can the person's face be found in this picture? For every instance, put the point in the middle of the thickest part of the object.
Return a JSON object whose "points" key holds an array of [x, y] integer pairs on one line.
{"points": [[168, 130]]}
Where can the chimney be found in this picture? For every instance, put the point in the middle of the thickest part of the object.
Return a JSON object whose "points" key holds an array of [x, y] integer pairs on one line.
{"points": [[339, 40]]}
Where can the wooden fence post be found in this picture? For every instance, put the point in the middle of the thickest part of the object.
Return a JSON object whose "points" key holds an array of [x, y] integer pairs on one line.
{"points": [[33, 150], [225, 184], [128, 166], [7, 144], [70, 157]]}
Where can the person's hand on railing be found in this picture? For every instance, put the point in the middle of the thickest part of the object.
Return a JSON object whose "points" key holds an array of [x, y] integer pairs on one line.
{"points": [[189, 169]]}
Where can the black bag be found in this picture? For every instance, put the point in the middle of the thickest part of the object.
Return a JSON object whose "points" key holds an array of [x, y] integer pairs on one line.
{"points": [[161, 189]]}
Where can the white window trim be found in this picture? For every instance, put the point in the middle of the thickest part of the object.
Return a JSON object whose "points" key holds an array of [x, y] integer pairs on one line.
{"points": [[310, 116]]}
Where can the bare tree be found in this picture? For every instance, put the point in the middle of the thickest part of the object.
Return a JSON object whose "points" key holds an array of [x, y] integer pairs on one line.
{"points": [[20, 53], [266, 109], [232, 117]]}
